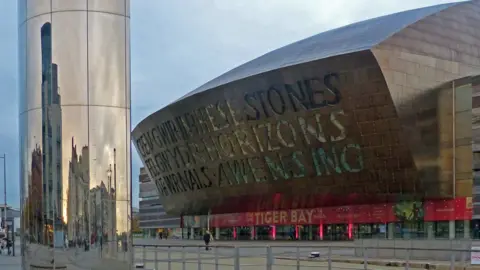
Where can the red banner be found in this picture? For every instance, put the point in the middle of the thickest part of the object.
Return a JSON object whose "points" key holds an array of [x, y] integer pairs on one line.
{"points": [[458, 209], [327, 215]]}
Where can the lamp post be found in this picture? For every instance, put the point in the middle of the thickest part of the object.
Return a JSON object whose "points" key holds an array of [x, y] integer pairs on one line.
{"points": [[4, 157], [109, 200]]}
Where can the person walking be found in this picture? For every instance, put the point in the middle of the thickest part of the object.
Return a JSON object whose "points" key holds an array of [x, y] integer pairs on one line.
{"points": [[9, 246], [3, 244], [66, 243], [206, 238]]}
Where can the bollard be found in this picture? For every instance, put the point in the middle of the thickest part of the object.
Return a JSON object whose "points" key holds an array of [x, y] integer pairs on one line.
{"points": [[236, 265], [298, 257], [169, 258]]}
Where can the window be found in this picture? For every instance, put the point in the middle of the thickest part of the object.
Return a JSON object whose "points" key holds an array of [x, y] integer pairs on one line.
{"points": [[441, 229]]}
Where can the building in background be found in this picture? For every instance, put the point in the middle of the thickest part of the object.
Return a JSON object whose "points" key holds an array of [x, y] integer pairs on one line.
{"points": [[12, 214], [364, 131], [78, 194], [51, 137], [153, 219], [74, 123]]}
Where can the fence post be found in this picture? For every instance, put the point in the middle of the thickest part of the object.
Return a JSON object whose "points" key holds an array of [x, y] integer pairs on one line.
{"points": [[269, 258], [183, 258], [199, 261], [169, 258], [365, 258], [452, 261], [216, 258], [407, 259], [329, 258], [144, 257], [298, 257], [156, 258], [237, 259]]}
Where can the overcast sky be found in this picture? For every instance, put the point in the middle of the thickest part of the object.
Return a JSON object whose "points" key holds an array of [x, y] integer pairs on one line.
{"points": [[177, 45]]}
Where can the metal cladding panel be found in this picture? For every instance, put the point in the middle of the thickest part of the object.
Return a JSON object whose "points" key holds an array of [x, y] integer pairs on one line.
{"points": [[74, 133], [431, 65], [314, 131]]}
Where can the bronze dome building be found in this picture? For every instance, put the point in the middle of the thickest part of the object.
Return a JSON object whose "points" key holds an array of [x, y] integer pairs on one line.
{"points": [[378, 112]]}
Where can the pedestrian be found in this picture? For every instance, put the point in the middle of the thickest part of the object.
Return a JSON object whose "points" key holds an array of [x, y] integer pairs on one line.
{"points": [[2, 245], [206, 238], [66, 243], [9, 246]]}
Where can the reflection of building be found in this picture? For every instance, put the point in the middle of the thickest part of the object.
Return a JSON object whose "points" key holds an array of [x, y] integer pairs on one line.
{"points": [[340, 133], [34, 201], [152, 216], [51, 132], [74, 82], [78, 194], [99, 209]]}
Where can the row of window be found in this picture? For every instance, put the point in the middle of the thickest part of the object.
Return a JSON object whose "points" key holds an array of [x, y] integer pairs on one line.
{"points": [[339, 232]]}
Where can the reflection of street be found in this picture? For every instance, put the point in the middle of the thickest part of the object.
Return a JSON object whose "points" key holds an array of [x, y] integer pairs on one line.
{"points": [[74, 258]]}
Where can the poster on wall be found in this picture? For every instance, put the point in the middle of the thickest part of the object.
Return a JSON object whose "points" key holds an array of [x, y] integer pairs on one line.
{"points": [[475, 255], [409, 211]]}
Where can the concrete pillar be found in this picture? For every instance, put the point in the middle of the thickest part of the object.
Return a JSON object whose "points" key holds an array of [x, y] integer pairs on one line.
{"points": [[192, 233], [391, 230], [430, 232], [217, 233], [253, 233], [466, 229], [451, 229]]}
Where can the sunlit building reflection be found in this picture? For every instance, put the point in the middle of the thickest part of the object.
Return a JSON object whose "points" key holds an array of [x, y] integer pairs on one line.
{"points": [[78, 195]]}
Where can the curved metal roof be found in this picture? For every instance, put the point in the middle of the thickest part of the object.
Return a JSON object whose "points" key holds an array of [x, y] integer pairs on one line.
{"points": [[347, 39]]}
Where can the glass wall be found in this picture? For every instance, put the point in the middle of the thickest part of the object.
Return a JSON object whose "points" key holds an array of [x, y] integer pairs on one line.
{"points": [[74, 63]]}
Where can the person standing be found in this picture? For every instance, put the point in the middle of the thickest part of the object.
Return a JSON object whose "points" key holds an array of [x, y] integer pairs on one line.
{"points": [[206, 238], [66, 243]]}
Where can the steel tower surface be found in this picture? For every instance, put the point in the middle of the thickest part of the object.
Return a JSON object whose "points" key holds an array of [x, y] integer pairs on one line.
{"points": [[75, 174]]}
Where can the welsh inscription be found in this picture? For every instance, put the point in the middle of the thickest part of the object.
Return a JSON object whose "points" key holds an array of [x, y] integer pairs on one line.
{"points": [[282, 133]]}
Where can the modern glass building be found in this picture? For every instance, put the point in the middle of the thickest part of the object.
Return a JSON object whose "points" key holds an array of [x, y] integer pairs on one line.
{"points": [[365, 131], [75, 174]]}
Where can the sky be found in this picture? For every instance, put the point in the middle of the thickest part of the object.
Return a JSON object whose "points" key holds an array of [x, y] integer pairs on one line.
{"points": [[177, 46]]}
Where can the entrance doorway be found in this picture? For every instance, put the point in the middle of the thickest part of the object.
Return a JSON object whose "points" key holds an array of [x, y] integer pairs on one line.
{"points": [[335, 232], [262, 232], [244, 233]]}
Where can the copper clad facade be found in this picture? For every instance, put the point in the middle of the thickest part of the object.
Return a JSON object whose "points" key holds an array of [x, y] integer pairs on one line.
{"points": [[379, 121], [75, 176]]}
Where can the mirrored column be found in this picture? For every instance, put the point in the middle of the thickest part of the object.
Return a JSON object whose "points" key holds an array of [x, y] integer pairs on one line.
{"points": [[74, 61]]}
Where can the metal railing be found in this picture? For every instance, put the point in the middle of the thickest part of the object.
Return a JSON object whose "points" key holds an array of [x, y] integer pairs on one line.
{"points": [[219, 257]]}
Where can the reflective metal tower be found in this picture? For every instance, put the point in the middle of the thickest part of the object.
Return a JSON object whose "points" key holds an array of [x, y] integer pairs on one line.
{"points": [[75, 174]]}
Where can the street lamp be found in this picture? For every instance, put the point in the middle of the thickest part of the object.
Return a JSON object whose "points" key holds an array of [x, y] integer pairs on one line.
{"points": [[4, 157], [109, 200]]}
